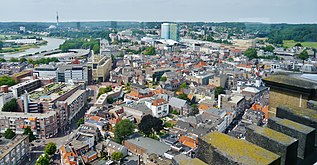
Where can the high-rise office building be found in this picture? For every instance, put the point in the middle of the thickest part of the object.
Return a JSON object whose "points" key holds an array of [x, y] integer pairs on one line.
{"points": [[165, 31], [174, 33], [170, 31]]}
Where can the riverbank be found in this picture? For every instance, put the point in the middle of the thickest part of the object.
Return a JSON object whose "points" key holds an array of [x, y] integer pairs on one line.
{"points": [[22, 48], [51, 44]]}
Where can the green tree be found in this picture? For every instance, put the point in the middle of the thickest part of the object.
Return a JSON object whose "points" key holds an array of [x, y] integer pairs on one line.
{"points": [[14, 60], [299, 45], [219, 90], [1, 45], [96, 48], [150, 50], [50, 148], [11, 106], [163, 78], [3, 60], [184, 85], [195, 109], [22, 59], [6, 80], [9, 134], [303, 55], [251, 53], [123, 129], [150, 125], [110, 100], [80, 122], [183, 96], [43, 160], [104, 90], [269, 48], [117, 156], [28, 131]]}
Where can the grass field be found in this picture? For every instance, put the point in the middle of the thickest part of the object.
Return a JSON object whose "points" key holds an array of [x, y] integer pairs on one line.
{"points": [[290, 43]]}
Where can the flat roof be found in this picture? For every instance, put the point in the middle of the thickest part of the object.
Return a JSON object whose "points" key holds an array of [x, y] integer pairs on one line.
{"points": [[273, 135], [296, 80], [303, 112], [5, 148], [295, 125], [27, 115], [239, 150]]}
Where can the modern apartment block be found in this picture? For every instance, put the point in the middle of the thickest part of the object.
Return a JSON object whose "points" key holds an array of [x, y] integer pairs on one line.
{"points": [[28, 86], [13, 151], [41, 124]]}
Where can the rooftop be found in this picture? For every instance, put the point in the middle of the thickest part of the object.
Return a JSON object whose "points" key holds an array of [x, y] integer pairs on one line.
{"points": [[239, 150], [304, 112], [7, 145], [295, 125], [272, 134], [296, 80], [150, 145]]}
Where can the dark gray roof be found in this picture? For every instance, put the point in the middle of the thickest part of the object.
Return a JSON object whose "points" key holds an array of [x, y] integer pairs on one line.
{"points": [[150, 145]]}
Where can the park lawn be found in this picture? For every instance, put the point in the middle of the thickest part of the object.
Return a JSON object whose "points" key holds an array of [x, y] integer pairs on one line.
{"points": [[290, 43]]}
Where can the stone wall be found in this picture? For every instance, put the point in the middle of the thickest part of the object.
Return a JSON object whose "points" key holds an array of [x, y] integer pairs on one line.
{"points": [[304, 134], [307, 117], [275, 142]]}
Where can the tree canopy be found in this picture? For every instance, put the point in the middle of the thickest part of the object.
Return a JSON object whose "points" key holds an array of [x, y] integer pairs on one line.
{"points": [[43, 160], [104, 90], [251, 53], [123, 129], [3, 60], [303, 55], [81, 44], [6, 80], [184, 85], [219, 90], [11, 106], [163, 78], [50, 148], [1, 45], [150, 124], [9, 134], [80, 122], [28, 131], [117, 156], [268, 48], [150, 50]]}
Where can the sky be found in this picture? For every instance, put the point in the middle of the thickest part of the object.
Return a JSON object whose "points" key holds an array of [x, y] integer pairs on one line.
{"points": [[266, 11]]}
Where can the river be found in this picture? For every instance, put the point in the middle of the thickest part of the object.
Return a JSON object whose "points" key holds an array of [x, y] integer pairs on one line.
{"points": [[52, 44]]}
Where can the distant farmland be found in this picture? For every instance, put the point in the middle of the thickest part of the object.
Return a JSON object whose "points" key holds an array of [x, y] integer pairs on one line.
{"points": [[290, 43]]}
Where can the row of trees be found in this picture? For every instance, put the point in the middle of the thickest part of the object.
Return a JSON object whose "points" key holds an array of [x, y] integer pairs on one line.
{"points": [[31, 61], [81, 44]]}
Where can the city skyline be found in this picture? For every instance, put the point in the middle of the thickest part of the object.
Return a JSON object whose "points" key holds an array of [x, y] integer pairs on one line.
{"points": [[283, 11]]}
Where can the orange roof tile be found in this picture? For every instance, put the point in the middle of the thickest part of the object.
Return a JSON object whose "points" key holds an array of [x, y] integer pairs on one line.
{"points": [[159, 102]]}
